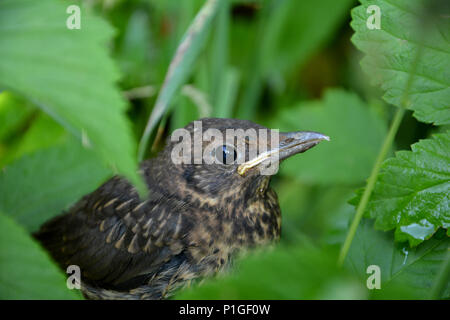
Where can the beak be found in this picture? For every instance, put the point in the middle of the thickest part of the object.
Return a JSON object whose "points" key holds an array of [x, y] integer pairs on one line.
{"points": [[290, 143]]}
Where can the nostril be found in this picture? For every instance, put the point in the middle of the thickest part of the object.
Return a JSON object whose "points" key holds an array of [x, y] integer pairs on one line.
{"points": [[289, 140]]}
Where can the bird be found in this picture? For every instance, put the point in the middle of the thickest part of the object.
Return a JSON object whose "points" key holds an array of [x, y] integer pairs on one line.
{"points": [[195, 219]]}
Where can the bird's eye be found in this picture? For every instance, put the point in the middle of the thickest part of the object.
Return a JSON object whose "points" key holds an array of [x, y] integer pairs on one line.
{"points": [[225, 154]]}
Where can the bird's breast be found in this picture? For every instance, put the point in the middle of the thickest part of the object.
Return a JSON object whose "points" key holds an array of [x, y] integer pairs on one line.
{"points": [[217, 236]]}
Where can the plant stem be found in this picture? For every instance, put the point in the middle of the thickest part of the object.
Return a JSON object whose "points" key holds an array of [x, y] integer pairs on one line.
{"points": [[371, 183], [381, 156]]}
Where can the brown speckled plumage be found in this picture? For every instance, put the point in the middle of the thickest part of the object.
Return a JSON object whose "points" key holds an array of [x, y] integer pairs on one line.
{"points": [[194, 220]]}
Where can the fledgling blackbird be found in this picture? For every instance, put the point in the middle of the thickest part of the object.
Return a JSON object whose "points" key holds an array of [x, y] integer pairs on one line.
{"points": [[194, 220]]}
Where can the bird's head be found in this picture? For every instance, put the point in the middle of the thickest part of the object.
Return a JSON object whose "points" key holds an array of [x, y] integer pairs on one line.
{"points": [[214, 156]]}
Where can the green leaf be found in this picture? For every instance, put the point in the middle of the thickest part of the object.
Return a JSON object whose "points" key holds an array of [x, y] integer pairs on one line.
{"points": [[320, 212], [26, 271], [43, 132], [288, 33], [13, 114], [412, 192], [296, 29], [356, 134], [68, 74], [42, 184], [409, 42], [285, 273], [181, 65], [218, 54], [414, 268], [134, 52], [227, 95]]}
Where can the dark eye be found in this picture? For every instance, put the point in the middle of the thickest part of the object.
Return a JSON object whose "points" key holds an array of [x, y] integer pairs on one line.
{"points": [[226, 154]]}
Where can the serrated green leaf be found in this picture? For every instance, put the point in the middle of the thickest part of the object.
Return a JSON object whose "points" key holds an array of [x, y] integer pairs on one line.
{"points": [[285, 273], [26, 271], [356, 133], [68, 74], [40, 185], [414, 268], [412, 192], [392, 55]]}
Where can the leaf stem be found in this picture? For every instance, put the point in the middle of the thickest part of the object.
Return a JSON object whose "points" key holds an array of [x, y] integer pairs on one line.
{"points": [[381, 156], [371, 183]]}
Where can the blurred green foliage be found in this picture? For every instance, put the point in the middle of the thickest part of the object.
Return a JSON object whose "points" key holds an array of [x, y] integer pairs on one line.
{"points": [[354, 146], [74, 105], [275, 280]]}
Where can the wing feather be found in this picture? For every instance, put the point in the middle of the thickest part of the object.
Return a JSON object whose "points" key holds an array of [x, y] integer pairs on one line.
{"points": [[114, 237]]}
